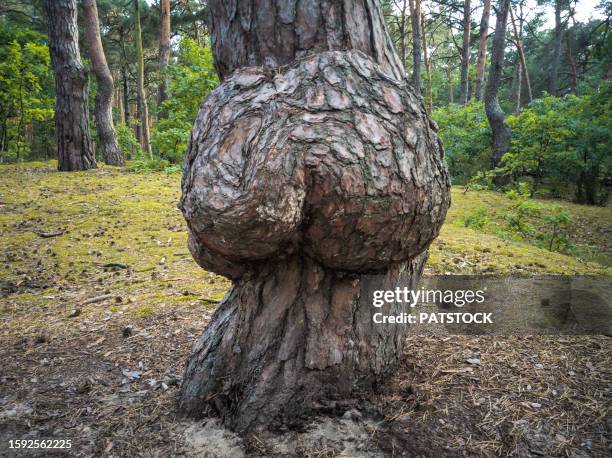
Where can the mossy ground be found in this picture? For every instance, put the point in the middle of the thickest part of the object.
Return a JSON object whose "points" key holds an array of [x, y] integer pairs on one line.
{"points": [[112, 245]]}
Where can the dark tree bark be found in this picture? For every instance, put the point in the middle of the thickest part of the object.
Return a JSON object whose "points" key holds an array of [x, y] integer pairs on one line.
{"points": [[74, 147], [164, 55], [415, 17], [495, 115], [465, 53], [126, 96], [309, 186], [104, 97], [143, 109], [482, 48], [554, 67]]}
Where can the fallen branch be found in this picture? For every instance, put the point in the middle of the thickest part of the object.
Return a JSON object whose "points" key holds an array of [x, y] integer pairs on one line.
{"points": [[96, 299], [46, 235]]}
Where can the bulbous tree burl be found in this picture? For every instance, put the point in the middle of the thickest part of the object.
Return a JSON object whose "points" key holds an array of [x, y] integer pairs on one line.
{"points": [[313, 176]]}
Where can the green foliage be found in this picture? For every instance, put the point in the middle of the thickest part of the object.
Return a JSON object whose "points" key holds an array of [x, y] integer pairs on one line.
{"points": [[191, 78], [25, 89], [476, 219], [127, 141], [466, 136], [564, 140]]}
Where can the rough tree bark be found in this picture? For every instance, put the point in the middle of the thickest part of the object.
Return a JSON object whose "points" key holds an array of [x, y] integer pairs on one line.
{"points": [[415, 17], [465, 53], [482, 48], [495, 114], [104, 97], [74, 147], [143, 109], [164, 55], [518, 33], [312, 177]]}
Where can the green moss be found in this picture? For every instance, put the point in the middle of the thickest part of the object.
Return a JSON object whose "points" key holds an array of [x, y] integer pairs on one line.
{"points": [[145, 310]]}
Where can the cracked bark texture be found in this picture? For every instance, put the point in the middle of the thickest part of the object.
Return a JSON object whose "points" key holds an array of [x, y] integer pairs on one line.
{"points": [[74, 146], [309, 185]]}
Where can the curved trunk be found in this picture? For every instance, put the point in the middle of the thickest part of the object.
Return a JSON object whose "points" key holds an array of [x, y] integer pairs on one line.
{"points": [[103, 108], [299, 184], [74, 147], [495, 114]]}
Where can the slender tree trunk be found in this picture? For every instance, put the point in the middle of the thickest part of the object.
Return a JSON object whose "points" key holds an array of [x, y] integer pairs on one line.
{"points": [[521, 53], [299, 224], [554, 67], [104, 97], [571, 62], [482, 49], [74, 147], [143, 110], [164, 56], [517, 87], [402, 27], [451, 89], [415, 16], [427, 63], [126, 96], [496, 116], [465, 53]]}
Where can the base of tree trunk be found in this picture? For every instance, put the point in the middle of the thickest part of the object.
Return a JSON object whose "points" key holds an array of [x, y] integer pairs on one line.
{"points": [[290, 336]]}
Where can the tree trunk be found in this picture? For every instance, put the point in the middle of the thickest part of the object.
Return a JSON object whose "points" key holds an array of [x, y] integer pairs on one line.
{"points": [[451, 89], [554, 67], [495, 115], [517, 87], [415, 17], [104, 97], [521, 53], [465, 53], [126, 96], [164, 56], [427, 63], [74, 147], [482, 49], [143, 110], [572, 63], [309, 186]]}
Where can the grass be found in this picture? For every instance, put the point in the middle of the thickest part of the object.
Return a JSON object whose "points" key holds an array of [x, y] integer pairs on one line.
{"points": [[109, 217]]}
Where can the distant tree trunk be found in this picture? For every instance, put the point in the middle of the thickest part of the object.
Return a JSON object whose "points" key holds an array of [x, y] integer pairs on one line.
{"points": [[482, 48], [465, 53], [517, 87], [402, 31], [556, 57], [126, 96], [74, 147], [571, 62], [164, 56], [104, 97], [521, 53], [427, 63], [496, 116], [415, 16], [143, 110], [451, 91], [300, 223]]}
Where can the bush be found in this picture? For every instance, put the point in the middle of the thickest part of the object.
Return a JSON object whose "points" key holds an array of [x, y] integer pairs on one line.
{"points": [[466, 136], [476, 219]]}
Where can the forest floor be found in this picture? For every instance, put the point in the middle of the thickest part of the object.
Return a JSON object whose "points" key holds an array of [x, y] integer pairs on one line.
{"points": [[100, 302]]}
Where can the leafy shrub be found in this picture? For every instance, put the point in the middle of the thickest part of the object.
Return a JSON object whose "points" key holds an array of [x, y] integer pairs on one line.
{"points": [[476, 219], [127, 141], [191, 78], [466, 136]]}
